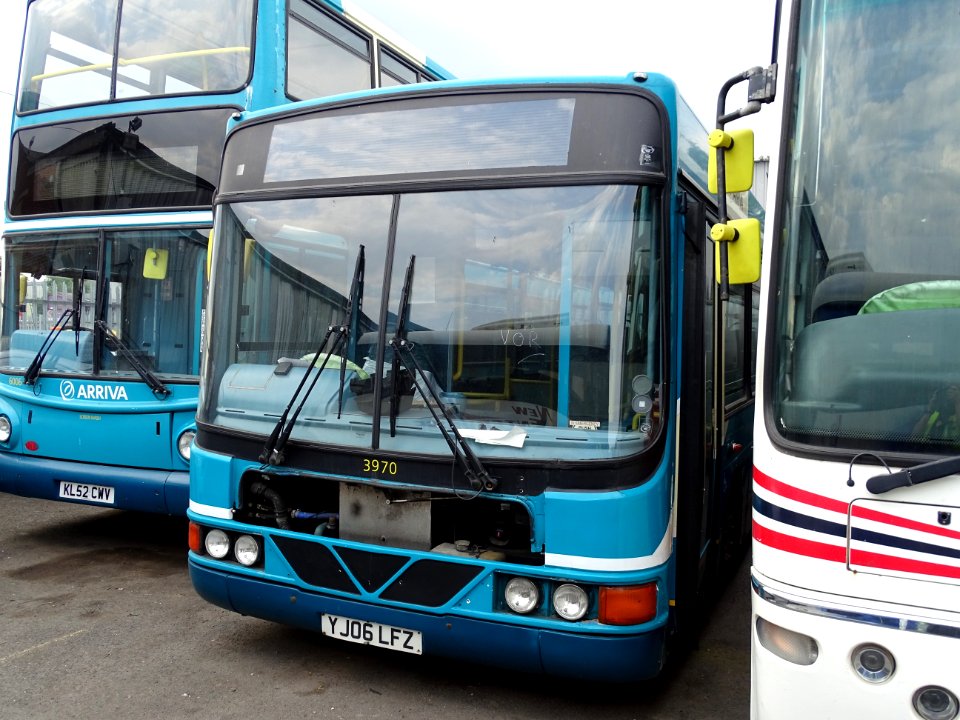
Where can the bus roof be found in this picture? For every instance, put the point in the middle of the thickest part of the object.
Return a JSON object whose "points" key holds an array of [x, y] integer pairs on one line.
{"points": [[659, 84]]}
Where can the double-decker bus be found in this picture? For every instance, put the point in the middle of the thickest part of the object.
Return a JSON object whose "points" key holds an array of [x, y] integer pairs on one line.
{"points": [[117, 137], [856, 516], [469, 389]]}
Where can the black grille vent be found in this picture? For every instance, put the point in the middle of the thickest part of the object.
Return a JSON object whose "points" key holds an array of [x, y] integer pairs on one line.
{"points": [[428, 583], [315, 564], [371, 569]]}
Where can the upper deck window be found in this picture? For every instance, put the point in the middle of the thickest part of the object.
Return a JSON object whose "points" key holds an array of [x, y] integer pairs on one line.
{"points": [[122, 162], [394, 71], [326, 56], [76, 53]]}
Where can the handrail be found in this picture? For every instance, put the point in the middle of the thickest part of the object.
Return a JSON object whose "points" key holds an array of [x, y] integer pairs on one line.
{"points": [[145, 60]]}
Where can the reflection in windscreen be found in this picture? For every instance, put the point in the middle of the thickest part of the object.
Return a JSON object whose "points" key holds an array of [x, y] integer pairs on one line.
{"points": [[533, 308], [531, 133], [869, 309]]}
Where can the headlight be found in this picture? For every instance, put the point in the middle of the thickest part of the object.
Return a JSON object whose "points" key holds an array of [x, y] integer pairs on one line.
{"points": [[217, 544], [6, 428], [873, 663], [246, 550], [935, 703], [183, 443], [522, 595], [570, 602]]}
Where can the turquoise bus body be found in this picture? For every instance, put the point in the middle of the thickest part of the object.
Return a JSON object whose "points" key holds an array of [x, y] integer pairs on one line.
{"points": [[616, 523]]}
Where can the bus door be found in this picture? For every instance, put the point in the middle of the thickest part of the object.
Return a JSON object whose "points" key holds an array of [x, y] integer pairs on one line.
{"points": [[734, 467], [699, 422]]}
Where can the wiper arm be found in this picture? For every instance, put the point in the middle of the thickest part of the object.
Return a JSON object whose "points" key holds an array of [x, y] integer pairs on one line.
{"points": [[399, 334], [153, 382], [473, 468], [354, 304], [914, 476], [272, 452], [78, 305], [33, 370]]}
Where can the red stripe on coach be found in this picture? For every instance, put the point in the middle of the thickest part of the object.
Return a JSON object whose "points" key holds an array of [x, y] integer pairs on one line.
{"points": [[798, 546]]}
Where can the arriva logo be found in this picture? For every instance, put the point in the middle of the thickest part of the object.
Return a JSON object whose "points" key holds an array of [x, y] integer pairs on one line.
{"points": [[90, 391]]}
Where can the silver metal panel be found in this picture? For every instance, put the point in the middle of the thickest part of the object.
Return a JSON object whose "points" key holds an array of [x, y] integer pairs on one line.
{"points": [[367, 514]]}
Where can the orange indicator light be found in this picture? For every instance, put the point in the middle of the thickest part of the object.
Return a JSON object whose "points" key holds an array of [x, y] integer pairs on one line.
{"points": [[630, 605], [194, 537]]}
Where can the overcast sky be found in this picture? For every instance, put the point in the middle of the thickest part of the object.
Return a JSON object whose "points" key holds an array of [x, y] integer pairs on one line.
{"points": [[679, 38], [490, 38]]}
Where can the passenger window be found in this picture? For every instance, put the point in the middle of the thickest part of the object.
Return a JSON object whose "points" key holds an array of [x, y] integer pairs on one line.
{"points": [[324, 56], [393, 71], [735, 357]]}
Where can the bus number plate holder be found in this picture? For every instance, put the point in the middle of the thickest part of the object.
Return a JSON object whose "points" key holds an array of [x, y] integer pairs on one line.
{"points": [[85, 491], [371, 633]]}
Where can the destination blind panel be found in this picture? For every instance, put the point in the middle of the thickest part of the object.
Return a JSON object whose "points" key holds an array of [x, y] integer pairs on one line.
{"points": [[436, 135], [532, 133]]}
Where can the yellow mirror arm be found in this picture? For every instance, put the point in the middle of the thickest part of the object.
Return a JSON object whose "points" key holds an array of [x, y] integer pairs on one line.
{"points": [[720, 139], [721, 232]]}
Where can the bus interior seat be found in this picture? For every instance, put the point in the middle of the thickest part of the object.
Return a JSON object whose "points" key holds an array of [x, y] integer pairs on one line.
{"points": [[923, 295], [62, 354], [898, 351], [845, 293]]}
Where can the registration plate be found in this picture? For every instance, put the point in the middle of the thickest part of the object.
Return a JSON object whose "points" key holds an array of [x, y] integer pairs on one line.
{"points": [[371, 633], [87, 492]]}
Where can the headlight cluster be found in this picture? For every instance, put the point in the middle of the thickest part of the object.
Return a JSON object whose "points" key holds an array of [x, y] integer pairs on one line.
{"points": [[220, 545], [522, 595], [570, 602], [935, 703], [876, 664], [628, 605], [184, 442], [871, 662], [6, 429]]}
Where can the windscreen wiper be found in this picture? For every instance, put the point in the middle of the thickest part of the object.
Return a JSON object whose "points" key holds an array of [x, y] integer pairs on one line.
{"points": [[33, 370], [153, 382], [914, 476], [473, 468], [400, 333], [354, 307], [77, 308], [272, 452]]}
